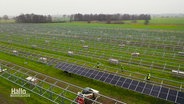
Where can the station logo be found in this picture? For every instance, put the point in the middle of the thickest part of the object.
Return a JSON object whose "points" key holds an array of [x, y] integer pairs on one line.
{"points": [[19, 92]]}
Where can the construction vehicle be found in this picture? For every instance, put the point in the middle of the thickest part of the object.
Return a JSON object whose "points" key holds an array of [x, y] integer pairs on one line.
{"points": [[85, 95]]}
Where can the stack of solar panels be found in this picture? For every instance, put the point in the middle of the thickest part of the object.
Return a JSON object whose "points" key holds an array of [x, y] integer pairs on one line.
{"points": [[141, 87]]}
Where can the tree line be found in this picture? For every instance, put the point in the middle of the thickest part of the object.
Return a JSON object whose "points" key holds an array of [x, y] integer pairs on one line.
{"points": [[33, 18], [5, 17], [109, 17]]}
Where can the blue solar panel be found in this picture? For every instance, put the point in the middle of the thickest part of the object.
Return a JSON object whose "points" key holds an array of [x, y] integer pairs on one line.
{"points": [[134, 82], [164, 90], [180, 100], [58, 64], [155, 90], [93, 74], [79, 72], [63, 67], [172, 92], [140, 87], [120, 82], [99, 75], [114, 80], [109, 78], [126, 83], [163, 95], [75, 70], [70, 68], [181, 94], [128, 80], [148, 86], [84, 72], [89, 73], [171, 98], [132, 87], [105, 75], [154, 93], [147, 89]]}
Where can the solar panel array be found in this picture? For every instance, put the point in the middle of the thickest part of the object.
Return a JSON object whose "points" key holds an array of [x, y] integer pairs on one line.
{"points": [[138, 86], [145, 88]]}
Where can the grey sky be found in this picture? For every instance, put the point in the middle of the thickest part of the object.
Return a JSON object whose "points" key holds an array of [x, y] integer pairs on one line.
{"points": [[55, 7]]}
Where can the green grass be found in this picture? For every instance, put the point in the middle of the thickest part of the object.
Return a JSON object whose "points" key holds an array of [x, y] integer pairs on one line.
{"points": [[124, 26], [7, 21], [168, 21]]}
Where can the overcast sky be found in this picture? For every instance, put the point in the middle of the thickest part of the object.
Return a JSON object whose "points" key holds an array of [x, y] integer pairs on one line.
{"points": [[58, 7]]}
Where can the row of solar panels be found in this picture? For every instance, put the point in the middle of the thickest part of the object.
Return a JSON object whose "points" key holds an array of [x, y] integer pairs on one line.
{"points": [[141, 87]]}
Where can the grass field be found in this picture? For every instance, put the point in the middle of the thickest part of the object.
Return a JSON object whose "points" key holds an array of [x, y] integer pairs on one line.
{"points": [[158, 44], [171, 20]]}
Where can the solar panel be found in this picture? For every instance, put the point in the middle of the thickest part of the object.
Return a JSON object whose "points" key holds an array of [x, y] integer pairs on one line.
{"points": [[163, 95], [57, 65], [172, 92], [79, 71], [164, 90], [180, 100], [63, 66], [103, 78], [147, 89], [109, 78], [120, 82], [93, 74], [132, 86], [82, 68], [99, 75], [84, 72], [140, 87], [72, 68], [75, 69], [181, 94], [172, 95], [155, 90], [134, 82], [171, 98], [89, 73], [60, 65], [114, 80], [126, 83]]}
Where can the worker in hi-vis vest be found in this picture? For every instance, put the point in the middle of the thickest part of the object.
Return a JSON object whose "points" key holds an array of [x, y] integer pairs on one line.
{"points": [[148, 76], [98, 65]]}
